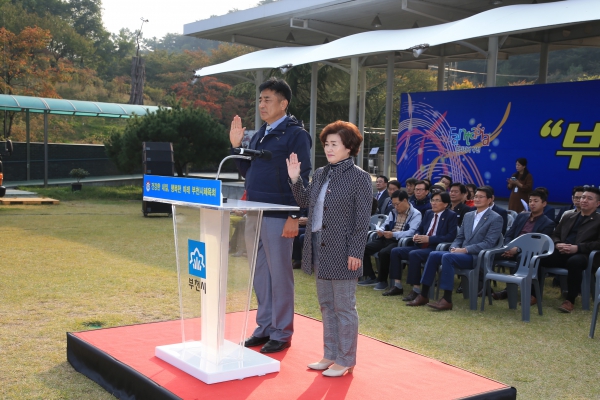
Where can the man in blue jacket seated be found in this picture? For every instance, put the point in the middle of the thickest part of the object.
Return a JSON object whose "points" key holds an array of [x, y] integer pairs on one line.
{"points": [[402, 222], [267, 182], [527, 222], [421, 199], [438, 225], [480, 230]]}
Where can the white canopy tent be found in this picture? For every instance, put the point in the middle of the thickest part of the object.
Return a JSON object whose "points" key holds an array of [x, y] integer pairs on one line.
{"points": [[501, 21], [495, 24]]}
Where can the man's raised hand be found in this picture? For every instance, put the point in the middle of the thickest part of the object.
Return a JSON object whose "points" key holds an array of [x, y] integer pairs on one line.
{"points": [[236, 134]]}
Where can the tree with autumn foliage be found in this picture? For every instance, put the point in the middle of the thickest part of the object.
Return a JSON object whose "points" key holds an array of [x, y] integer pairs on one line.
{"points": [[28, 67], [213, 96]]}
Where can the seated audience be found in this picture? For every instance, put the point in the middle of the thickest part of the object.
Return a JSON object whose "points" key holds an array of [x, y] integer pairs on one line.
{"points": [[458, 194], [533, 221], [575, 196], [421, 200], [438, 225], [402, 221], [575, 237], [480, 230]]}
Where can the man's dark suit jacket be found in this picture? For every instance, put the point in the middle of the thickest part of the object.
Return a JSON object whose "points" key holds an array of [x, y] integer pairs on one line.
{"points": [[382, 202], [588, 234], [543, 225], [550, 212], [461, 209], [446, 229]]}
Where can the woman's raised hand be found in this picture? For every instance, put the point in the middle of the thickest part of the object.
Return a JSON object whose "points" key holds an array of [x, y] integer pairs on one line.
{"points": [[293, 166]]}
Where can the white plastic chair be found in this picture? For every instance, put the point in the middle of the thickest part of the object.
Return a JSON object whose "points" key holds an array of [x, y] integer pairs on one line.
{"points": [[533, 247]]}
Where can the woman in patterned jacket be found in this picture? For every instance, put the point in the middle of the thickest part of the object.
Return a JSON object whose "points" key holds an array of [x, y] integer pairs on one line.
{"points": [[339, 204]]}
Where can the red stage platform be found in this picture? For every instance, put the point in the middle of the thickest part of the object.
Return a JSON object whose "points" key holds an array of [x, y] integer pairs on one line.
{"points": [[122, 361]]}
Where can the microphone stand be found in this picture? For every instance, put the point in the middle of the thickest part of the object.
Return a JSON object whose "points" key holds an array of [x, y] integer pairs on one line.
{"points": [[249, 158]]}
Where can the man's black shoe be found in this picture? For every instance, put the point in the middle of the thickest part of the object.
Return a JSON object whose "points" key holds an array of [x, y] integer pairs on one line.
{"points": [[273, 346], [253, 341]]}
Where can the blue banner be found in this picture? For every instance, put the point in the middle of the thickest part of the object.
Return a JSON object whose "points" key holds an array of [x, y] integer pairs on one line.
{"points": [[476, 136], [189, 190]]}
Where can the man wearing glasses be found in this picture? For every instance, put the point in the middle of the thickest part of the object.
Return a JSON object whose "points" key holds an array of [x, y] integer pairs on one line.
{"points": [[573, 208], [480, 230], [421, 199]]}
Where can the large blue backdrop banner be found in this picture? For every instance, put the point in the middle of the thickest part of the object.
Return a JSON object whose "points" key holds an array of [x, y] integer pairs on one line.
{"points": [[476, 135]]}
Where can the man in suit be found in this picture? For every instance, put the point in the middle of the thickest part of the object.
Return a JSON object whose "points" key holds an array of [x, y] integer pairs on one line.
{"points": [[437, 226], [481, 230], [273, 282], [575, 237], [382, 194], [458, 195], [498, 210], [527, 222]]}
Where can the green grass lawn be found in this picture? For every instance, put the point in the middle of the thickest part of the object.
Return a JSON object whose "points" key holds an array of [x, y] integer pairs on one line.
{"points": [[95, 261]]}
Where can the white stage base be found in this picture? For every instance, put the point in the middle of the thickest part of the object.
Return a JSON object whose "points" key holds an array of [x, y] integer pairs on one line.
{"points": [[192, 358]]}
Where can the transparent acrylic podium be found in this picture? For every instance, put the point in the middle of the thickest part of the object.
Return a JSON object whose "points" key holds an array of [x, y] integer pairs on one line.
{"points": [[215, 276]]}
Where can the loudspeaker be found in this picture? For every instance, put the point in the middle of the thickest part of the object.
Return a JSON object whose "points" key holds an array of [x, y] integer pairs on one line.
{"points": [[157, 159]]}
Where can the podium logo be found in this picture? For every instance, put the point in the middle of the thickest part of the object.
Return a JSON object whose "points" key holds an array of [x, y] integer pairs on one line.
{"points": [[197, 258]]}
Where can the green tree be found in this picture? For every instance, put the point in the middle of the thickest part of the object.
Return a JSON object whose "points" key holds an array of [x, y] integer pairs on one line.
{"points": [[197, 139]]}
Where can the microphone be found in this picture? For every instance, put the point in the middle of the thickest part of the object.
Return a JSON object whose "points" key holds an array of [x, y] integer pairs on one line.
{"points": [[264, 154]]}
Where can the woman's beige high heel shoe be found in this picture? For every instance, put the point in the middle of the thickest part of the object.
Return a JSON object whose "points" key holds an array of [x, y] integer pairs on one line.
{"points": [[334, 373], [321, 365]]}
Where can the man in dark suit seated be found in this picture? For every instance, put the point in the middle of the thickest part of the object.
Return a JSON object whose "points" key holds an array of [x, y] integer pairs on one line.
{"points": [[382, 193], [458, 195], [575, 237], [575, 196], [481, 230], [527, 222], [437, 226]]}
